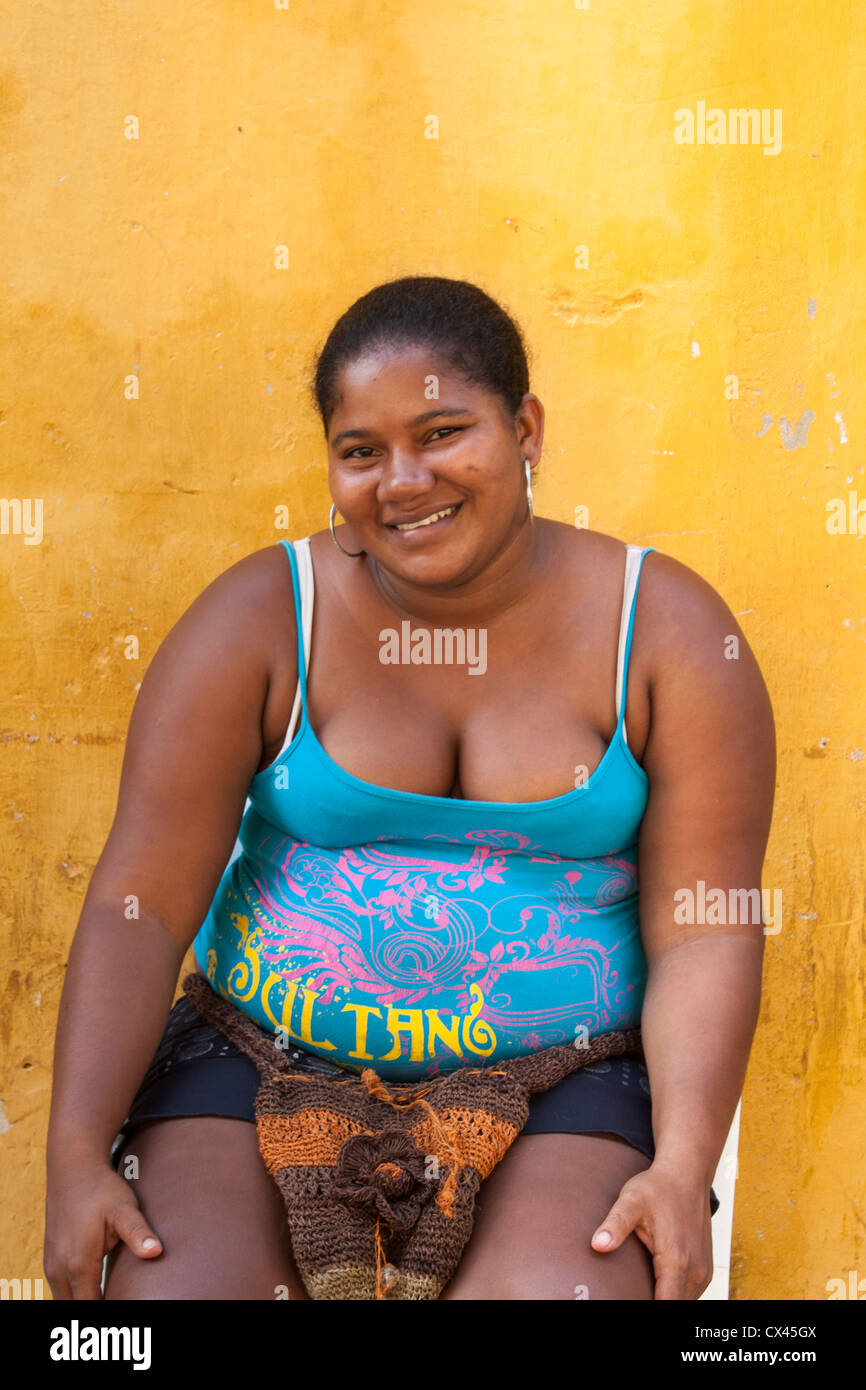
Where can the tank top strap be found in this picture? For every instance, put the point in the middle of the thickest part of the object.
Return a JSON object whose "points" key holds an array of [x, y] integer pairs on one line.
{"points": [[304, 591], [633, 562]]}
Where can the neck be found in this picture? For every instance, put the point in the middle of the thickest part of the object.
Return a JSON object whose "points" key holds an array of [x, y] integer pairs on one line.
{"points": [[482, 599]]}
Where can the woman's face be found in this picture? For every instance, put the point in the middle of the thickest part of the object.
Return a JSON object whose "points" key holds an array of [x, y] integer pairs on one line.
{"points": [[410, 438]]}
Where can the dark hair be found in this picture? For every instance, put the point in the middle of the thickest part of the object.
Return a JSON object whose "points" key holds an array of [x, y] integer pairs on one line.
{"points": [[454, 318]]}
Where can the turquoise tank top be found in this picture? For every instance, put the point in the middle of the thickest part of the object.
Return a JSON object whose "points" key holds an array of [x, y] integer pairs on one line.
{"points": [[416, 934]]}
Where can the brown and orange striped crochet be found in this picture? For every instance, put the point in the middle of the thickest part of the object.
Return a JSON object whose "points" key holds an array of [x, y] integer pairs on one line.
{"points": [[380, 1181]]}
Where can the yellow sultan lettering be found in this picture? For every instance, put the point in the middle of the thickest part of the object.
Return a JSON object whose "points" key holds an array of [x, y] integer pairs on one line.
{"points": [[362, 1013], [243, 978], [306, 1035], [284, 1021], [409, 1021], [475, 1029], [436, 1028]]}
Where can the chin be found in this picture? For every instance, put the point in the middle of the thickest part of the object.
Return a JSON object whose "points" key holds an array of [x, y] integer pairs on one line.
{"points": [[431, 570]]}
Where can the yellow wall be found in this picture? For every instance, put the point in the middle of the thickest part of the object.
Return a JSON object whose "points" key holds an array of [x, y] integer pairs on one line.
{"points": [[306, 127]]}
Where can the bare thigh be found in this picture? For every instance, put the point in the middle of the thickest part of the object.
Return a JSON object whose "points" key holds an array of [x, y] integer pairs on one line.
{"points": [[204, 1189], [535, 1218]]}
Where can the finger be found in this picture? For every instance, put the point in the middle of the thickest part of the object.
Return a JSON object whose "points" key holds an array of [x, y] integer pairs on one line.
{"points": [[133, 1230], [619, 1222], [85, 1280], [58, 1283], [670, 1280]]}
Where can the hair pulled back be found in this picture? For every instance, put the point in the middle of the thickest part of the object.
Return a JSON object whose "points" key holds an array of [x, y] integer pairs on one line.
{"points": [[456, 320]]}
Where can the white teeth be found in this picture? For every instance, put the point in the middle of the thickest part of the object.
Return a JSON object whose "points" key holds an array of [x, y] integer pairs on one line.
{"points": [[428, 520]]}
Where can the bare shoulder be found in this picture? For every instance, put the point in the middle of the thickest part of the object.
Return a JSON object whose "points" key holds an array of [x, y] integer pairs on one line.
{"points": [[262, 573], [710, 701], [255, 590], [685, 621], [240, 619], [683, 625], [673, 597]]}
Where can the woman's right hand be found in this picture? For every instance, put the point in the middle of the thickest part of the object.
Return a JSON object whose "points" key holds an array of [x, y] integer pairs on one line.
{"points": [[87, 1212]]}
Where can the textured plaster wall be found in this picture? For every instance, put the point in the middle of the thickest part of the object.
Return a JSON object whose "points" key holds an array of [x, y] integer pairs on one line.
{"points": [[699, 363]]}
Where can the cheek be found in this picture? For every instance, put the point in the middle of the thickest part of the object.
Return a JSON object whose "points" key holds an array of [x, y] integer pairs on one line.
{"points": [[356, 490]]}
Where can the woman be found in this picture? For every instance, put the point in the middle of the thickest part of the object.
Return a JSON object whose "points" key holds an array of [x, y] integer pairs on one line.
{"points": [[434, 867]]}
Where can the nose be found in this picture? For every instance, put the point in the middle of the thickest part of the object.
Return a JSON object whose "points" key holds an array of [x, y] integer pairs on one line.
{"points": [[405, 474]]}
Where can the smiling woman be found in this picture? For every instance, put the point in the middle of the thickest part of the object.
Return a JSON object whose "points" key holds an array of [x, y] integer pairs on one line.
{"points": [[407, 344], [435, 874]]}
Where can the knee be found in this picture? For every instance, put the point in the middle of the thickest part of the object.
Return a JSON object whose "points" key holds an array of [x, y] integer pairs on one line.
{"points": [[626, 1274], [528, 1280], [170, 1278]]}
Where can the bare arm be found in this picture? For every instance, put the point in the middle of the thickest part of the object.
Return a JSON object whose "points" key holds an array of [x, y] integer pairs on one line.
{"points": [[710, 758], [194, 743]]}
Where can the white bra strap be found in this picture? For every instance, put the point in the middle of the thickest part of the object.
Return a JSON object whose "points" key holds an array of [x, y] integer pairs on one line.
{"points": [[632, 566], [307, 587], [305, 576]]}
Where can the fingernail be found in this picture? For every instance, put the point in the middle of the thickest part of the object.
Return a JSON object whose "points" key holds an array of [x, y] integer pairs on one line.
{"points": [[602, 1237], [149, 1244]]}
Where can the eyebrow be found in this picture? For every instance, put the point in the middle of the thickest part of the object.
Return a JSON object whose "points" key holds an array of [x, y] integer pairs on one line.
{"points": [[418, 420]]}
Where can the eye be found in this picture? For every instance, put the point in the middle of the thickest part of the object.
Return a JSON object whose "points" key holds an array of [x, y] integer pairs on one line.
{"points": [[451, 429], [362, 458]]}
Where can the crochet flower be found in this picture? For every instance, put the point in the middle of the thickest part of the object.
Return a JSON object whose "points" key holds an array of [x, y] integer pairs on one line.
{"points": [[383, 1174]]}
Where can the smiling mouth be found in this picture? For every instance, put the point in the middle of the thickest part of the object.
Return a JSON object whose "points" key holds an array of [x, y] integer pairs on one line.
{"points": [[425, 523]]}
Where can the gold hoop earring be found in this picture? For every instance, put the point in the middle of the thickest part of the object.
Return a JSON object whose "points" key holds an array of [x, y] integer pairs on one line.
{"points": [[528, 470], [353, 554]]}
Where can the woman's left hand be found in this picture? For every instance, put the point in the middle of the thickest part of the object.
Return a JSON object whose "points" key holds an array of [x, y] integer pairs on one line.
{"points": [[671, 1215]]}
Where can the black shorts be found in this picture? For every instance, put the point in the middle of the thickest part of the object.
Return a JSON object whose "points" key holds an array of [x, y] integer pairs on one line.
{"points": [[197, 1071]]}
